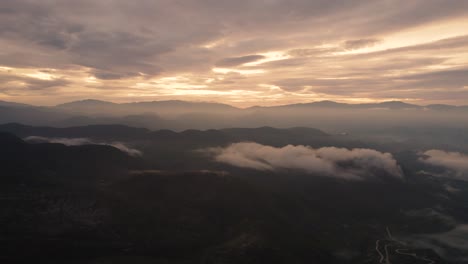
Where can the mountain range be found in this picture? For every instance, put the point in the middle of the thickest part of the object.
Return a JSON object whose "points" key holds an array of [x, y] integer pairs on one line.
{"points": [[182, 115], [88, 105]]}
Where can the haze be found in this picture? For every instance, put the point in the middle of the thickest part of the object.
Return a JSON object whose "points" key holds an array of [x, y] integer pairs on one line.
{"points": [[234, 131]]}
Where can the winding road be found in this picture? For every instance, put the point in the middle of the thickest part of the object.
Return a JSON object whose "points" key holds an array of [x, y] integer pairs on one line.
{"points": [[378, 250], [385, 259]]}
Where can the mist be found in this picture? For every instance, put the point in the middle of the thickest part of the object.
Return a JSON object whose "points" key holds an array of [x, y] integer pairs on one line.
{"points": [[354, 164], [84, 141], [386, 119], [455, 162], [225, 132]]}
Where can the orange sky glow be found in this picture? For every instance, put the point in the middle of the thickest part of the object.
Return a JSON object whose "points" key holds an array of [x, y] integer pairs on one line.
{"points": [[242, 53]]}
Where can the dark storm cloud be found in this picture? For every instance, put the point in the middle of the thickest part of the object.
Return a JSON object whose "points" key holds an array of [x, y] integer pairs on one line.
{"points": [[230, 62]]}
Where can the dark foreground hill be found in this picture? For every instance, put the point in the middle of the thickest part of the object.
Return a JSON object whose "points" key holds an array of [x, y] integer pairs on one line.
{"points": [[96, 204], [122, 132]]}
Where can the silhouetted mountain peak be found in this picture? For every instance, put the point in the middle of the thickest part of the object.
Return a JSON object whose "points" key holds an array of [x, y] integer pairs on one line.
{"points": [[337, 105], [180, 103], [397, 104], [328, 103], [86, 102], [320, 104], [13, 104]]}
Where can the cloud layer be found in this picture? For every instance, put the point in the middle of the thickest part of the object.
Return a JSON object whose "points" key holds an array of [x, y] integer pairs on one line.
{"points": [[84, 141], [355, 164], [454, 161], [271, 52]]}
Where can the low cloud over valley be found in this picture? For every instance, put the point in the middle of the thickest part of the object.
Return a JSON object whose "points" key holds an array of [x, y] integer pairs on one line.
{"points": [[355, 164], [455, 162], [84, 141]]}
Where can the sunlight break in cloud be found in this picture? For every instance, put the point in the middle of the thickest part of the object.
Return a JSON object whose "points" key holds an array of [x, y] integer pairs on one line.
{"points": [[355, 164]]}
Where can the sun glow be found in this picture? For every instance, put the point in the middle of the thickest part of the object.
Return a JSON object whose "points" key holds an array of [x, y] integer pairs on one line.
{"points": [[41, 75], [243, 72], [269, 56], [416, 36]]}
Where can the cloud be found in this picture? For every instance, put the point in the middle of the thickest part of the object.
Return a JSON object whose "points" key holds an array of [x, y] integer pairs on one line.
{"points": [[130, 151], [84, 141], [169, 39], [17, 82], [433, 215], [355, 164], [454, 161], [452, 245], [360, 43], [230, 62], [452, 78]]}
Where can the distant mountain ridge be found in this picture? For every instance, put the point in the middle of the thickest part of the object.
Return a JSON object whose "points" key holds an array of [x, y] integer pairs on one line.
{"points": [[170, 140], [393, 105], [181, 115], [94, 103], [122, 132], [13, 104], [89, 102], [318, 104], [169, 107]]}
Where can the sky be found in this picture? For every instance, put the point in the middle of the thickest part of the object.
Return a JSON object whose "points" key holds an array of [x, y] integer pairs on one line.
{"points": [[243, 52]]}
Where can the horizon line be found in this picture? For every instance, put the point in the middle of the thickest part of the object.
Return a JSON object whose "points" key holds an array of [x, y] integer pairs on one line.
{"points": [[227, 104]]}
